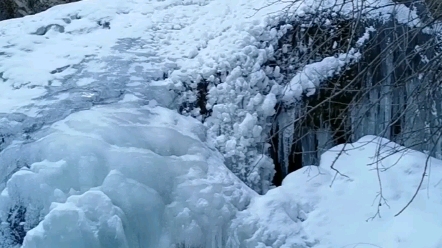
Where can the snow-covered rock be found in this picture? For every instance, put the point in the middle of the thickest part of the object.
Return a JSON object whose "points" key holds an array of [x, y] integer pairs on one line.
{"points": [[19, 8]]}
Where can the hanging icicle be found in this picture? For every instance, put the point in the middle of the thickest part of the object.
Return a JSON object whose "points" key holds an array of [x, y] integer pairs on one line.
{"points": [[287, 129]]}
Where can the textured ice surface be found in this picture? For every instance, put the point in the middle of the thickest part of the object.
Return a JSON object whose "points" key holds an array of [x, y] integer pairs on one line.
{"points": [[123, 175]]}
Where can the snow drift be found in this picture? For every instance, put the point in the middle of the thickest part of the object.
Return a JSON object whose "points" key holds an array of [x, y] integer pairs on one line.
{"points": [[357, 208]]}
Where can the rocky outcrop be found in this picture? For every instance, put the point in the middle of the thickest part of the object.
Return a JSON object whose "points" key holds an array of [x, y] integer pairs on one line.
{"points": [[19, 8]]}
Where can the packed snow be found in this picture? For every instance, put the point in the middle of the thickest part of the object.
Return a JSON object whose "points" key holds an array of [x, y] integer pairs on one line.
{"points": [[95, 155]]}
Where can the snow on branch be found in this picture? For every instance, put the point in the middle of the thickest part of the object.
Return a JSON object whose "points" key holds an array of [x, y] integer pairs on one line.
{"points": [[312, 75]]}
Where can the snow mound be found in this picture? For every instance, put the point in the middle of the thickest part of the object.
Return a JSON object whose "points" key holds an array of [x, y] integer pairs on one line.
{"points": [[342, 210], [273, 220]]}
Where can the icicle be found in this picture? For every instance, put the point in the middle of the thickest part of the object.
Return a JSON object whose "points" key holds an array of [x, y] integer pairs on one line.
{"points": [[414, 126], [356, 112], [281, 142], [286, 131], [309, 155], [436, 112], [398, 108], [324, 139], [372, 109], [387, 68]]}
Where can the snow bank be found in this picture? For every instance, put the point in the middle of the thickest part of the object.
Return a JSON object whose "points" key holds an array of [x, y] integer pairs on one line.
{"points": [[315, 207], [342, 211]]}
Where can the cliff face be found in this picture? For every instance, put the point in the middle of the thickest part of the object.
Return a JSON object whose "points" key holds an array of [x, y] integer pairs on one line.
{"points": [[19, 8]]}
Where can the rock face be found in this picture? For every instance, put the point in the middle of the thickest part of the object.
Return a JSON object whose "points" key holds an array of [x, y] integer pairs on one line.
{"points": [[18, 8]]}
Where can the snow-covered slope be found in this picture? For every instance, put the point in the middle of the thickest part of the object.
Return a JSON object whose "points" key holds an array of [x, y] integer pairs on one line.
{"points": [[94, 154], [82, 44]]}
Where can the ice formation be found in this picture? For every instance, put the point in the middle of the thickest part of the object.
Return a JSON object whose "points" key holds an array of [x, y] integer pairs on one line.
{"points": [[121, 175]]}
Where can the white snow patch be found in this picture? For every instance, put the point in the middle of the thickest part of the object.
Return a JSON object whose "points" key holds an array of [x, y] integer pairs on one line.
{"points": [[309, 78], [312, 75], [85, 81]]}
